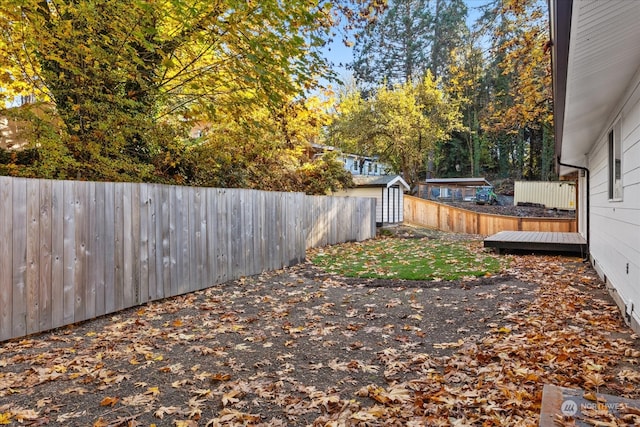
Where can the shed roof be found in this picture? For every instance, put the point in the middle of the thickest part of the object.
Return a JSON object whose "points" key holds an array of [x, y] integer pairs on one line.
{"points": [[380, 181]]}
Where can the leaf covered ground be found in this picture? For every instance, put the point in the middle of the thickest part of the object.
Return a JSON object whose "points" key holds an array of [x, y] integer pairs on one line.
{"points": [[302, 346]]}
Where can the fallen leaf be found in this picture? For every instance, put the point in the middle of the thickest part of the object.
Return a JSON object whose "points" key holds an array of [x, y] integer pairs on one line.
{"points": [[109, 401]]}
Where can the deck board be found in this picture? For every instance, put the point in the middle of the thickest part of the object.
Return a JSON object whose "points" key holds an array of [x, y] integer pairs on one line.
{"points": [[537, 241]]}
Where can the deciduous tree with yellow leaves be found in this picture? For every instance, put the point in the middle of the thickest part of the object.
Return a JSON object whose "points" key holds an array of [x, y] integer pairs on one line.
{"points": [[127, 79]]}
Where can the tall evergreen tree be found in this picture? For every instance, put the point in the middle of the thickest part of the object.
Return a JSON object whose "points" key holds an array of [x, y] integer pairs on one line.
{"points": [[394, 49], [412, 36], [449, 30]]}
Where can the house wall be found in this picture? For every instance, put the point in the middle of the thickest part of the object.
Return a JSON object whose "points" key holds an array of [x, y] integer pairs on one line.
{"points": [[369, 167], [615, 225], [389, 202]]}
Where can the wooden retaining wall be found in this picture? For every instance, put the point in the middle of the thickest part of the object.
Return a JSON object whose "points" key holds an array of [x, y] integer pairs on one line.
{"points": [[448, 218], [72, 251]]}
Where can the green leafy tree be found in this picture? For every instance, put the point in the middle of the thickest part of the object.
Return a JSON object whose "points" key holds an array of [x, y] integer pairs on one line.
{"points": [[520, 110], [399, 124], [128, 79]]}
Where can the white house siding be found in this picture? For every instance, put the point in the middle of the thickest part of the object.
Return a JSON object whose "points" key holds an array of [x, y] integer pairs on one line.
{"points": [[389, 202], [615, 225]]}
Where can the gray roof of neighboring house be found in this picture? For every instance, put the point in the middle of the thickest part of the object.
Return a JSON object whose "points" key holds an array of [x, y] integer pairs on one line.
{"points": [[379, 181]]}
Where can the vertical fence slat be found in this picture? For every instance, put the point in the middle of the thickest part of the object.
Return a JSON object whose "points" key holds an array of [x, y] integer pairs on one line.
{"points": [[118, 249], [222, 238], [57, 253], [152, 254], [144, 214], [172, 241], [32, 276], [44, 274], [6, 258], [93, 241], [127, 247], [97, 252], [110, 266], [135, 244], [258, 231], [202, 228], [69, 254], [193, 231], [235, 231], [81, 220], [19, 256], [182, 239], [163, 234], [248, 231], [210, 203]]}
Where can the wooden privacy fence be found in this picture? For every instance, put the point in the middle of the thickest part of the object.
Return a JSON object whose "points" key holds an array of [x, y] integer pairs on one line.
{"points": [[448, 218], [72, 251]]}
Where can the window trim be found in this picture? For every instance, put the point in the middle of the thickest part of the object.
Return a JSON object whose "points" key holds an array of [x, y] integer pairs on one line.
{"points": [[614, 165]]}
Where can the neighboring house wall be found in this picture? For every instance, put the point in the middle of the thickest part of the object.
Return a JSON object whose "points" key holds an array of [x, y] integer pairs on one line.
{"points": [[389, 202], [615, 224], [356, 164], [362, 166]]}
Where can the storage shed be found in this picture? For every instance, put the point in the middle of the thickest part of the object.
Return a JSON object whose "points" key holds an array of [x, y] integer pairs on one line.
{"points": [[550, 194], [388, 190]]}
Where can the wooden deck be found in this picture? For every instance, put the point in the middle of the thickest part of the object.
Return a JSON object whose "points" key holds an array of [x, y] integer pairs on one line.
{"points": [[537, 241]]}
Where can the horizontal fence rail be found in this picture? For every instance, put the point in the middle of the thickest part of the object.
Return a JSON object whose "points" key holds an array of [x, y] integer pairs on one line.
{"points": [[448, 218], [72, 251]]}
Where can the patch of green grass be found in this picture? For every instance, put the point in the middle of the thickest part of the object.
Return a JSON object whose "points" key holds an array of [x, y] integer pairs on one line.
{"points": [[412, 259]]}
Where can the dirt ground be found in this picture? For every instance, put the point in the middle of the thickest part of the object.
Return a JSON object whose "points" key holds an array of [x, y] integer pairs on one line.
{"points": [[506, 207], [301, 347]]}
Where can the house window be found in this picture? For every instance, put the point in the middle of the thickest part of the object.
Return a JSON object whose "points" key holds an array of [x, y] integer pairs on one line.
{"points": [[615, 164]]}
